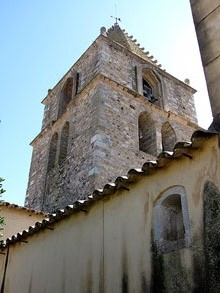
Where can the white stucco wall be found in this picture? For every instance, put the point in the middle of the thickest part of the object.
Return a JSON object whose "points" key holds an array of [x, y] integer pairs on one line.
{"points": [[17, 219]]}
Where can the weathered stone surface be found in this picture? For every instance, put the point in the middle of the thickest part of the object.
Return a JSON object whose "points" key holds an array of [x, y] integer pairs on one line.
{"points": [[212, 237], [103, 128]]}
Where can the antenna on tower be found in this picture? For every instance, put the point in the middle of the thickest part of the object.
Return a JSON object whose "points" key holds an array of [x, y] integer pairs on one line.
{"points": [[115, 17]]}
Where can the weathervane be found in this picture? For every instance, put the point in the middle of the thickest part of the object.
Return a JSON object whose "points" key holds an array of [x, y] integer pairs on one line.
{"points": [[115, 17]]}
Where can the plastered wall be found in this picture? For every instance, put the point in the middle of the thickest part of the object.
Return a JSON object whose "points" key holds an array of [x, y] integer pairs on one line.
{"points": [[111, 246]]}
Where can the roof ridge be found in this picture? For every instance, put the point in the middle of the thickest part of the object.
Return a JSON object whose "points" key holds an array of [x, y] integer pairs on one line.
{"points": [[16, 206], [116, 34]]}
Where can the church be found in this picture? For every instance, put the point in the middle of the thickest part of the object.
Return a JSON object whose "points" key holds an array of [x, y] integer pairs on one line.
{"points": [[113, 110], [123, 192]]}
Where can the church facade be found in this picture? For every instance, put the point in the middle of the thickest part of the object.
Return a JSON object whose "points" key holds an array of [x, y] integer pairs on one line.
{"points": [[154, 228], [114, 109]]}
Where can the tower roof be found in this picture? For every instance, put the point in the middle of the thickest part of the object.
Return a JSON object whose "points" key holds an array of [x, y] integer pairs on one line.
{"points": [[118, 35]]}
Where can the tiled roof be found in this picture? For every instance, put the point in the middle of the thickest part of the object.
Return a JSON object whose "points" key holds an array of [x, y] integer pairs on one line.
{"points": [[181, 149], [116, 34], [15, 206]]}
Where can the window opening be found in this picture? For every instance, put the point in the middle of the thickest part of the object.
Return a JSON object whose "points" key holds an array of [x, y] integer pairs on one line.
{"points": [[147, 134], [168, 137], [148, 92], [65, 96], [64, 142], [52, 152]]}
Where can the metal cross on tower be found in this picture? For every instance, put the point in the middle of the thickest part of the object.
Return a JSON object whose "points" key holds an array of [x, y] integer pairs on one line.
{"points": [[115, 17]]}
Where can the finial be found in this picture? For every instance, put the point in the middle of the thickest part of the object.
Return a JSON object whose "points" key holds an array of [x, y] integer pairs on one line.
{"points": [[187, 81], [115, 17], [103, 31]]}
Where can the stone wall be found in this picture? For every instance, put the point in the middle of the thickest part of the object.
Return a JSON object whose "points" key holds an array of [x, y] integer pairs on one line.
{"points": [[122, 66], [68, 180], [103, 124], [82, 72], [179, 99], [116, 147]]}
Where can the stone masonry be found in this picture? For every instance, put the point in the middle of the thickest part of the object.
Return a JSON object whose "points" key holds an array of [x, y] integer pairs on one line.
{"points": [[99, 122]]}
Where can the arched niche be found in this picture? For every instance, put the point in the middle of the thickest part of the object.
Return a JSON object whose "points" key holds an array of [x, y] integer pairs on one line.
{"points": [[151, 86], [168, 137], [65, 96], [64, 142], [171, 220], [147, 134], [52, 152], [147, 74]]}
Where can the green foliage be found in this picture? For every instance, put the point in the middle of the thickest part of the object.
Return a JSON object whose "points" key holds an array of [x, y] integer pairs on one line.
{"points": [[1, 189], [1, 218]]}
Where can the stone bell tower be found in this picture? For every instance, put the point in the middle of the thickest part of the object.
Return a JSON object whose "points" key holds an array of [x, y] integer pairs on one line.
{"points": [[113, 110]]}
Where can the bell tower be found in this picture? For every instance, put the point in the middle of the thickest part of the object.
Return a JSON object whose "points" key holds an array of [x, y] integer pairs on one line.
{"points": [[114, 109]]}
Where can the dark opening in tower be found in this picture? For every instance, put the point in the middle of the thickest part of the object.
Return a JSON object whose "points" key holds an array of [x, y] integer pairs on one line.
{"points": [[64, 142], [65, 96], [168, 137], [147, 134], [52, 152], [151, 87], [148, 92]]}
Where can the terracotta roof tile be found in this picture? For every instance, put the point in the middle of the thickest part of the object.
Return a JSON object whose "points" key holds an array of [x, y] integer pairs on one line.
{"points": [[17, 207]]}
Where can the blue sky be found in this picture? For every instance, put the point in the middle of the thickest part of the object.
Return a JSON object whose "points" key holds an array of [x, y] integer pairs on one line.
{"points": [[42, 39]]}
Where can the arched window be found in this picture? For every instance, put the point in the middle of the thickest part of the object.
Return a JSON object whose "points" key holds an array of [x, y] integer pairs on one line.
{"points": [[151, 87], [148, 92], [64, 142], [65, 96], [168, 137], [52, 152], [171, 220], [147, 134]]}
